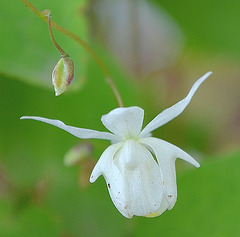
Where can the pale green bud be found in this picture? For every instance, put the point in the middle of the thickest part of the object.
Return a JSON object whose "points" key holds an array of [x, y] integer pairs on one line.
{"points": [[78, 154], [62, 75]]}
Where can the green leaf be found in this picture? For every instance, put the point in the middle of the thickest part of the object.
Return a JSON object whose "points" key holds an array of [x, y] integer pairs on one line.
{"points": [[31, 221], [209, 25]]}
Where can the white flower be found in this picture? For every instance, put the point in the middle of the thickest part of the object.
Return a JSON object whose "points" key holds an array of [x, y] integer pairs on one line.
{"points": [[139, 169]]}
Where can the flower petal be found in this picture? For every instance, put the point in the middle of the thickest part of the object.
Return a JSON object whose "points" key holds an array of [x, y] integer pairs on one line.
{"points": [[172, 112], [124, 122], [166, 154], [114, 180], [142, 179], [78, 132]]}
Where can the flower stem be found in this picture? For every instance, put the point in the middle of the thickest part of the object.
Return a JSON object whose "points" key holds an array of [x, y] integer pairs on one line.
{"points": [[61, 51], [80, 42], [115, 91]]}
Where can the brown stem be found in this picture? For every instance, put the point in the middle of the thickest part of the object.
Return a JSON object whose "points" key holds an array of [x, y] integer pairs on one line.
{"points": [[61, 51], [115, 91]]}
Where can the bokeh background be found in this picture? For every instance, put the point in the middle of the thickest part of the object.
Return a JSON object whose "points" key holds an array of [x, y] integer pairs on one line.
{"points": [[155, 51]]}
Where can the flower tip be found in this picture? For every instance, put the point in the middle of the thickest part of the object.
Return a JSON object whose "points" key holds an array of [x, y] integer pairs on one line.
{"points": [[92, 179], [58, 92], [197, 165], [23, 117], [209, 73], [206, 75]]}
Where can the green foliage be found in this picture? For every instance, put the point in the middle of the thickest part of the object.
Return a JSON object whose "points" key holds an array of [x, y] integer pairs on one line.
{"points": [[208, 25], [41, 196]]}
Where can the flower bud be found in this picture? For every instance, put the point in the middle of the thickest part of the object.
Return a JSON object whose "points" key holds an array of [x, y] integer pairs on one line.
{"points": [[62, 75], [77, 154]]}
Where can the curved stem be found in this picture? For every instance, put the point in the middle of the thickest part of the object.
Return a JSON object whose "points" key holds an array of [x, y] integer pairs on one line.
{"points": [[80, 42], [115, 91], [61, 51]]}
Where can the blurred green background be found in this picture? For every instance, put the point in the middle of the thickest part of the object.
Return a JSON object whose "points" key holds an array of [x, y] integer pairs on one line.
{"points": [[154, 50]]}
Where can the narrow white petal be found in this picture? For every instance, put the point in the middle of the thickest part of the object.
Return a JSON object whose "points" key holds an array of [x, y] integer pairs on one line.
{"points": [[172, 112], [173, 152], [124, 122], [142, 179], [114, 179], [166, 154], [78, 132]]}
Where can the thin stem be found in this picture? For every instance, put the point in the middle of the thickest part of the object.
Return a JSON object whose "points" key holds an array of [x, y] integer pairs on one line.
{"points": [[61, 51], [80, 42], [115, 91]]}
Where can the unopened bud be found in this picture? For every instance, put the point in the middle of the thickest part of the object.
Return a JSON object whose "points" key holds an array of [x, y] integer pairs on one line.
{"points": [[77, 154], [62, 75]]}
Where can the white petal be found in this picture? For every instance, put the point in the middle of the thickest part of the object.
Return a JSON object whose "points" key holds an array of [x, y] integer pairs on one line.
{"points": [[166, 154], [78, 132], [124, 122], [164, 206], [114, 180], [172, 112], [142, 179], [105, 162]]}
